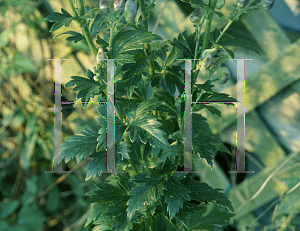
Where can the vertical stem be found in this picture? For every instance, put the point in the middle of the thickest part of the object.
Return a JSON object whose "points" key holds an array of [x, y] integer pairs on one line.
{"points": [[81, 7], [73, 8], [84, 27], [111, 35], [199, 27], [145, 25], [208, 24], [89, 40], [144, 16]]}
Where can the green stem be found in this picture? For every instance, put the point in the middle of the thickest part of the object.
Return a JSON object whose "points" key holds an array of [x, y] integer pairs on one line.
{"points": [[111, 35], [83, 27], [81, 7], [235, 18], [144, 16], [145, 25], [208, 25], [73, 8], [224, 30], [199, 96], [89, 40]]}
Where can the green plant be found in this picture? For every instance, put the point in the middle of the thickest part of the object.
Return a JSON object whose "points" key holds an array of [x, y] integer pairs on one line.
{"points": [[149, 122]]}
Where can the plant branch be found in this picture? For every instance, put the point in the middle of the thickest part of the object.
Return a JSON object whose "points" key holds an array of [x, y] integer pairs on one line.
{"points": [[144, 15], [73, 8], [209, 17], [83, 27], [81, 7], [89, 40], [235, 18]]}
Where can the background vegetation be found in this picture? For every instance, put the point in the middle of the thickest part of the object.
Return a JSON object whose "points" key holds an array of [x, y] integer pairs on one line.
{"points": [[33, 200]]}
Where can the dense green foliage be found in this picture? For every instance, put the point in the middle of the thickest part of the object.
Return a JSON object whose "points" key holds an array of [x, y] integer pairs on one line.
{"points": [[149, 122]]}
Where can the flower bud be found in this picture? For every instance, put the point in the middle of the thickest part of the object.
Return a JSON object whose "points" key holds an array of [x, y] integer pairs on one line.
{"points": [[197, 15], [220, 4], [119, 5], [208, 55], [100, 54], [103, 5], [224, 76], [217, 61], [207, 61], [130, 11], [242, 3], [268, 4]]}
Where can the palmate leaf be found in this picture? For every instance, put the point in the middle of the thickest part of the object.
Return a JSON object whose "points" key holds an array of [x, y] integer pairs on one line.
{"points": [[107, 193], [202, 138], [76, 36], [186, 43], [96, 165], [123, 148], [97, 26], [202, 192], [144, 91], [173, 55], [95, 211], [174, 77], [211, 222], [229, 40], [131, 40], [158, 50], [175, 194], [87, 88], [139, 119], [204, 148], [133, 72], [89, 12], [211, 109], [200, 125], [174, 151], [216, 97], [79, 145], [185, 213], [120, 220], [59, 19], [207, 86], [147, 193], [101, 221]]}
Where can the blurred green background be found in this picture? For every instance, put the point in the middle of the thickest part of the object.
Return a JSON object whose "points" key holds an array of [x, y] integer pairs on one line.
{"points": [[30, 199]]}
